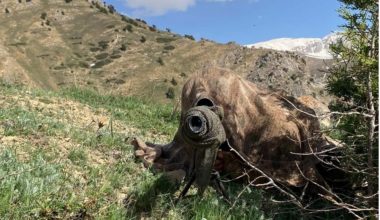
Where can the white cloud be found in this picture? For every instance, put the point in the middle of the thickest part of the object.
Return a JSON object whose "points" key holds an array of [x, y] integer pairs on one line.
{"points": [[158, 7]]}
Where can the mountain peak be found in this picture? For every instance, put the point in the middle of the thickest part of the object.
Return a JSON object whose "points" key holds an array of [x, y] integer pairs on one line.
{"points": [[311, 47]]}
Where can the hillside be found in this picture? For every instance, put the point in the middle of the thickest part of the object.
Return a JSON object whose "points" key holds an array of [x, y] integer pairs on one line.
{"points": [[55, 44]]}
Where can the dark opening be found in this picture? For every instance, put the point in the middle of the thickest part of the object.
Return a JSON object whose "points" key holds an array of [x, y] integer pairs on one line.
{"points": [[195, 124], [205, 102]]}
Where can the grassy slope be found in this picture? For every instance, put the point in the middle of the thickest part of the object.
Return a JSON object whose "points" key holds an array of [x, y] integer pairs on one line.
{"points": [[59, 159], [79, 44]]}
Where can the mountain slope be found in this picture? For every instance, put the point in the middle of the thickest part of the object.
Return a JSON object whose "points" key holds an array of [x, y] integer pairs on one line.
{"points": [[54, 44]]}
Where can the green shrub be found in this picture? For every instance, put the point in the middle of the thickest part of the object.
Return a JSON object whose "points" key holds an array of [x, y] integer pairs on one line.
{"points": [[189, 37], [165, 39], [170, 94], [102, 63], [160, 61], [123, 47], [43, 15], [101, 56], [169, 47], [173, 82], [129, 28], [103, 44]]}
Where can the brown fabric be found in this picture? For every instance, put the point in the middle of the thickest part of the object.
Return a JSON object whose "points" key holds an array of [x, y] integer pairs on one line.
{"points": [[262, 126]]}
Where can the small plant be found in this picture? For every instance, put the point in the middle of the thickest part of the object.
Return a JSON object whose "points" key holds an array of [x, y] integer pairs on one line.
{"points": [[153, 29], [169, 47], [168, 30], [68, 1], [142, 39], [173, 82], [165, 39], [129, 28], [100, 8], [103, 44], [141, 20], [43, 15], [160, 61], [7, 11], [170, 94], [123, 47], [111, 9], [77, 156], [189, 37]]}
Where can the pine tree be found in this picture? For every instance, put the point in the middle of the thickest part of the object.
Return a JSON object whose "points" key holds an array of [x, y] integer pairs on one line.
{"points": [[354, 81]]}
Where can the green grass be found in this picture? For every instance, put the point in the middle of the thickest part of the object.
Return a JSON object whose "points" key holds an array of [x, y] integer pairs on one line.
{"points": [[79, 172], [151, 117]]}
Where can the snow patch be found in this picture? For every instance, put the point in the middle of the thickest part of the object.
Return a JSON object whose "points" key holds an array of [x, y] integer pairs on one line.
{"points": [[312, 47]]}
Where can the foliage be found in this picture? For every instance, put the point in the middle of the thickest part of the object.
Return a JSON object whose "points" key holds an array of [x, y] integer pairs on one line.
{"points": [[354, 81], [189, 37], [160, 61], [43, 15], [129, 28], [123, 47], [170, 94]]}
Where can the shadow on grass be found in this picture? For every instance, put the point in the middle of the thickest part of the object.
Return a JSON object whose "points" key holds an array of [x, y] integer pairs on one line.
{"points": [[145, 198]]}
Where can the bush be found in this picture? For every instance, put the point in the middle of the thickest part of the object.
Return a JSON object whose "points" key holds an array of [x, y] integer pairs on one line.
{"points": [[189, 37], [169, 47], [100, 8], [123, 47], [173, 82], [101, 56], [103, 44], [7, 10], [102, 63], [164, 39], [170, 94], [142, 39], [129, 28], [141, 20], [68, 1], [111, 9], [43, 15], [160, 61]]}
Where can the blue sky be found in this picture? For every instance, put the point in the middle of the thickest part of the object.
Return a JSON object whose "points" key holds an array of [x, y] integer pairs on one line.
{"points": [[242, 21]]}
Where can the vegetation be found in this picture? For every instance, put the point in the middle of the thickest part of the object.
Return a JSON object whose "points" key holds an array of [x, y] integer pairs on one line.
{"points": [[100, 8], [165, 39], [160, 61], [43, 15], [170, 94], [123, 47], [78, 165], [189, 37], [354, 80], [169, 47], [129, 28]]}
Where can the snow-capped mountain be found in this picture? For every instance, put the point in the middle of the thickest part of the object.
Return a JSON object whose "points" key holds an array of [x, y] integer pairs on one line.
{"points": [[312, 47]]}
